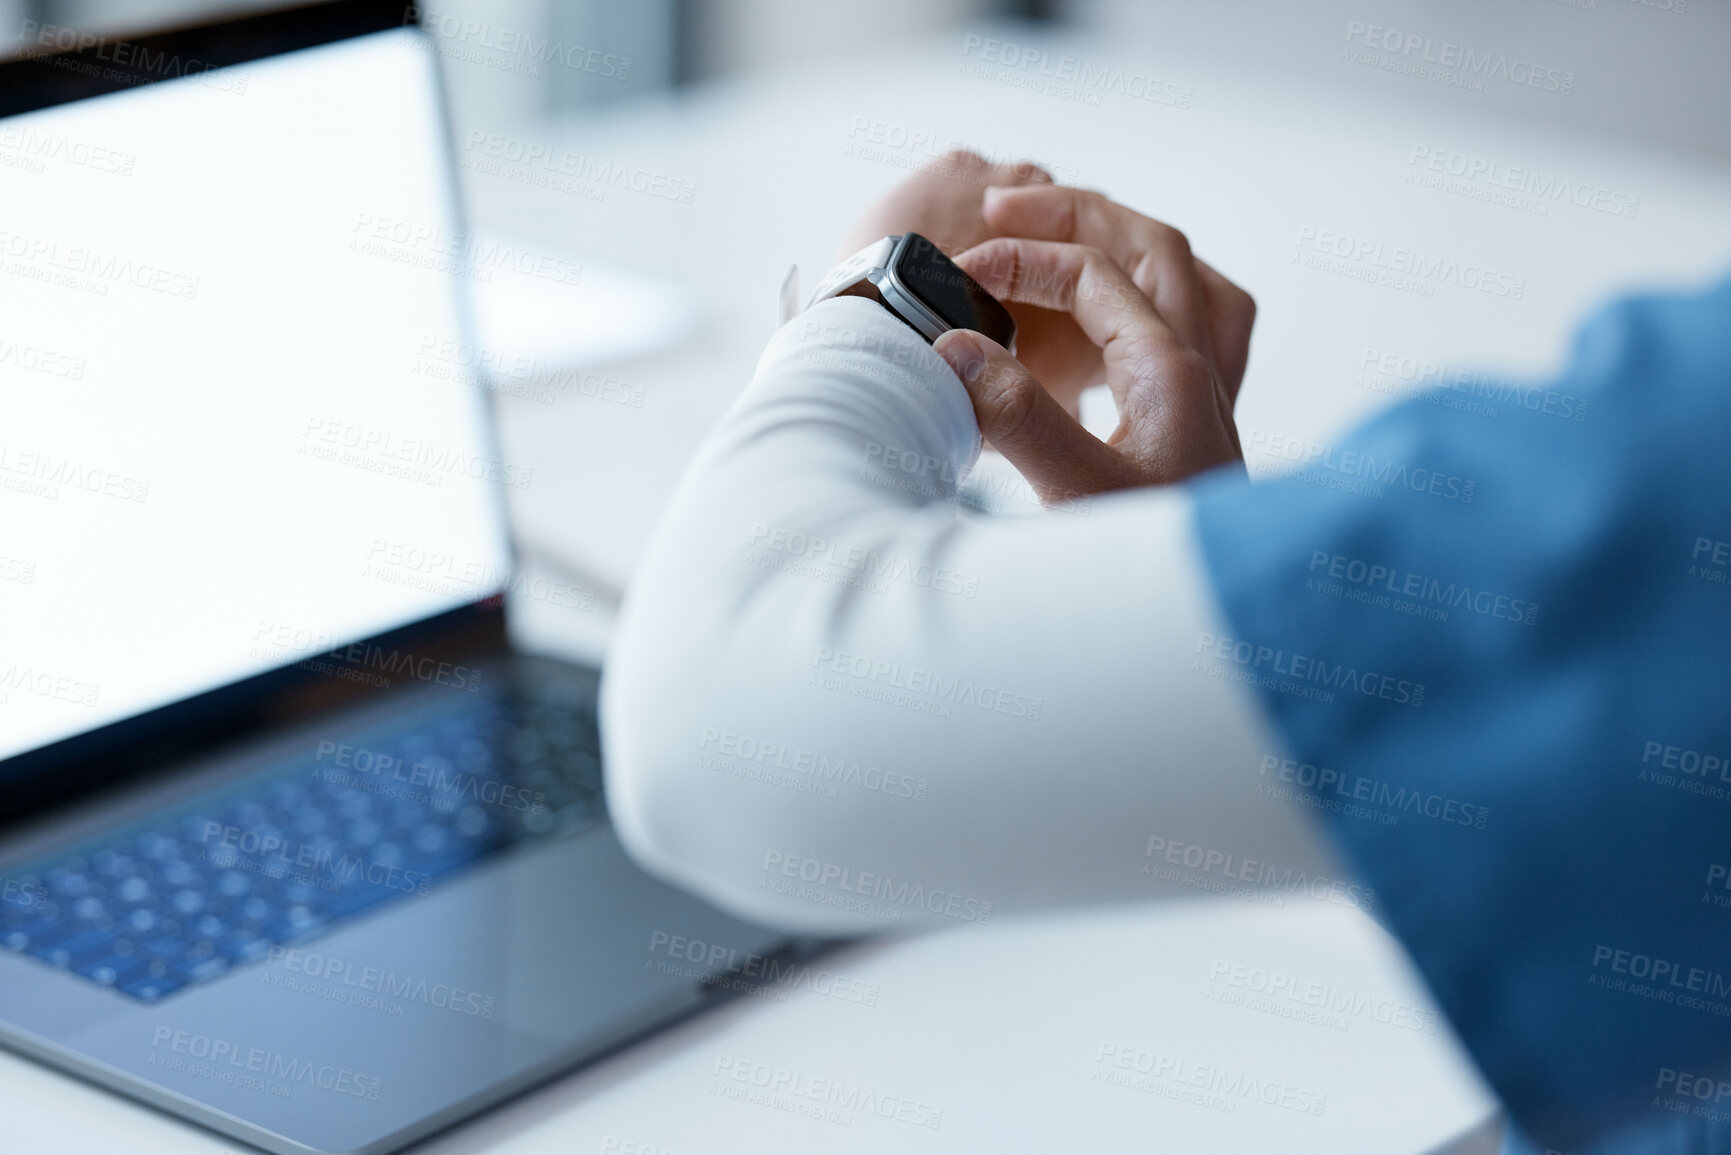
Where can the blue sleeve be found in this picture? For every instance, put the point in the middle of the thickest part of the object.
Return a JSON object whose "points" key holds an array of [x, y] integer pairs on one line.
{"points": [[1496, 638]]}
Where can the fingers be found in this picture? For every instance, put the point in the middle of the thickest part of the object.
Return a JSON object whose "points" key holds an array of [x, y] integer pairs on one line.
{"points": [[968, 164], [1173, 414], [1157, 257], [1079, 280], [1029, 172], [1026, 424], [963, 170], [1151, 252], [1231, 316], [940, 202]]}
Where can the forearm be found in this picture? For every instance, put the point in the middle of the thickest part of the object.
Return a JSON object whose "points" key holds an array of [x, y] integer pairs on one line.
{"points": [[831, 681]]}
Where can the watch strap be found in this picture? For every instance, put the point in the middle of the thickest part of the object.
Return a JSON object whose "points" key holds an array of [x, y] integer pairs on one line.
{"points": [[856, 268]]}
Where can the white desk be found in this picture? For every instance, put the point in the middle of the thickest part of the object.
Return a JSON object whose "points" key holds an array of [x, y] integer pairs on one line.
{"points": [[1002, 1026]]}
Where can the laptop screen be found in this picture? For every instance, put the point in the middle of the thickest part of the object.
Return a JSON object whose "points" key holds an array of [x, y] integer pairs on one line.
{"points": [[231, 438]]}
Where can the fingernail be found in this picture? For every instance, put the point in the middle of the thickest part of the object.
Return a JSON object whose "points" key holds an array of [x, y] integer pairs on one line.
{"points": [[962, 352], [996, 193]]}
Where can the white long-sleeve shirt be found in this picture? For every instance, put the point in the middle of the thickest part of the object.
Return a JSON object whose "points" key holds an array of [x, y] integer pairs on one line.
{"points": [[1493, 637], [839, 700]]}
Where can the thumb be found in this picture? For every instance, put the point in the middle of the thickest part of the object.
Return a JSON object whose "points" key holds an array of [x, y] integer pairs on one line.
{"points": [[1027, 425]]}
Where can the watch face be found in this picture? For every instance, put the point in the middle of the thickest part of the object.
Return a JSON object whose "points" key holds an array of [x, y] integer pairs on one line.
{"points": [[955, 297]]}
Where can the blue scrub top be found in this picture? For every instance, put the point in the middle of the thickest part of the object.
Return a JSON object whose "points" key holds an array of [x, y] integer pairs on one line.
{"points": [[1502, 618]]}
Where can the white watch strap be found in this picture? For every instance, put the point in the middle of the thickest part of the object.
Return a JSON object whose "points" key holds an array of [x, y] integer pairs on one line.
{"points": [[874, 256], [787, 306]]}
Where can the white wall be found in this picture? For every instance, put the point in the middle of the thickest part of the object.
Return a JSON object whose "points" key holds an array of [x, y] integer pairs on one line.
{"points": [[12, 14], [1647, 71], [730, 36]]}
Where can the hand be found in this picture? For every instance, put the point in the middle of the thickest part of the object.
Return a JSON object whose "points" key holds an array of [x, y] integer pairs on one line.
{"points": [[941, 202], [946, 203], [1051, 344], [1173, 336]]}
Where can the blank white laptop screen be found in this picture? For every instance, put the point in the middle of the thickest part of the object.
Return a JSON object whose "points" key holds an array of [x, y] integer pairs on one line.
{"points": [[230, 433]]}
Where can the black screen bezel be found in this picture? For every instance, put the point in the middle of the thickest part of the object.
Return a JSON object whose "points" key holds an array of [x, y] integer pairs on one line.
{"points": [[132, 748], [38, 77], [988, 316]]}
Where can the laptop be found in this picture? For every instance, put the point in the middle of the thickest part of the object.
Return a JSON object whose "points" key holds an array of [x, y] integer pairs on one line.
{"points": [[292, 843]]}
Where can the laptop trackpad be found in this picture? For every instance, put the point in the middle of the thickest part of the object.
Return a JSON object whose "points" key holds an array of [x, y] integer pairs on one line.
{"points": [[515, 968]]}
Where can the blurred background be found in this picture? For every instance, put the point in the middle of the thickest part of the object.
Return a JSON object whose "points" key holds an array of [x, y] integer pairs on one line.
{"points": [[1415, 191], [1657, 66], [1532, 158]]}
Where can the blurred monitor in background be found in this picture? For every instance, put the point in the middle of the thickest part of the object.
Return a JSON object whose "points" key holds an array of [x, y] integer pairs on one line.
{"points": [[511, 63]]}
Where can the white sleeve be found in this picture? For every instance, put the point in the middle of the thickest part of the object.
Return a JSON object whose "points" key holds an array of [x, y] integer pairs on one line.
{"points": [[839, 701]]}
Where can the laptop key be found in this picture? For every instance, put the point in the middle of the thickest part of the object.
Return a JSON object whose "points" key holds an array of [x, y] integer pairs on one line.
{"points": [[148, 987], [39, 936], [200, 970], [166, 949], [62, 953], [244, 948], [191, 894], [109, 969]]}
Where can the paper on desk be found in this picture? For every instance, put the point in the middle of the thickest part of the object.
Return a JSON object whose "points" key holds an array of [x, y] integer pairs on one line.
{"points": [[609, 313]]}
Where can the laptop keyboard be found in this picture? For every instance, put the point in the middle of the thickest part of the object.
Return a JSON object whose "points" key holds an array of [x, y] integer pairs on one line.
{"points": [[361, 821]]}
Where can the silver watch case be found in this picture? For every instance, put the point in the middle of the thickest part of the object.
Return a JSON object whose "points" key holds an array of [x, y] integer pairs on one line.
{"points": [[877, 263]]}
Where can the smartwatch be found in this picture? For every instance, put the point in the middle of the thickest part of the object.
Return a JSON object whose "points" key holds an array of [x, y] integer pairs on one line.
{"points": [[911, 277]]}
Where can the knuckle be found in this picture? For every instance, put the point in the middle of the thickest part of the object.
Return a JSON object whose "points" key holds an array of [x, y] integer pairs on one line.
{"points": [[1144, 352], [1172, 241], [966, 157], [1025, 172], [1246, 306], [1073, 205], [1167, 254], [1092, 199], [1144, 273], [1092, 278], [1160, 359], [993, 263], [1014, 261], [1190, 369], [1092, 268], [1005, 400]]}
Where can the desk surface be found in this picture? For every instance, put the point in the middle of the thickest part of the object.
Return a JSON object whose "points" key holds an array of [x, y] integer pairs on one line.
{"points": [[1099, 1030], [1004, 1027]]}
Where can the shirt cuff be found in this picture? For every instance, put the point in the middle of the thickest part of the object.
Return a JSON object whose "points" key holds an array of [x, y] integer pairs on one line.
{"points": [[860, 349]]}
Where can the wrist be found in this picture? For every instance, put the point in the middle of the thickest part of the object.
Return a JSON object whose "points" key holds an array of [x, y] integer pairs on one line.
{"points": [[850, 345], [911, 278]]}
